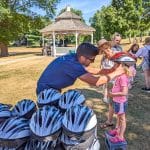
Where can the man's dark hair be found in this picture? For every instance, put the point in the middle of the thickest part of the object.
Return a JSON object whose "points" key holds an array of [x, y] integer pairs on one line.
{"points": [[87, 49]]}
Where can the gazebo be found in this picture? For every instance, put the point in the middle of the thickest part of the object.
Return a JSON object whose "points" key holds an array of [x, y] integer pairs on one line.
{"points": [[65, 24]]}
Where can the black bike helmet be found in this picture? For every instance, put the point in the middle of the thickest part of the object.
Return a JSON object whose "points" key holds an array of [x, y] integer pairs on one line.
{"points": [[46, 123], [48, 97], [24, 108], [14, 132], [5, 112], [91, 143], [71, 98], [79, 122], [7, 148], [40, 145]]}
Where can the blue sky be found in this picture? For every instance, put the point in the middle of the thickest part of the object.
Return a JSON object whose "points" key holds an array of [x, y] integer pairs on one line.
{"points": [[88, 7]]}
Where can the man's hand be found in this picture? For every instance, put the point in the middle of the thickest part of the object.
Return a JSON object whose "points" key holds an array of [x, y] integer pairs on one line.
{"points": [[107, 71]]}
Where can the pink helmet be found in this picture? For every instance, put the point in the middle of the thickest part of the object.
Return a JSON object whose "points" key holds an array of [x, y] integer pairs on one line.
{"points": [[124, 58]]}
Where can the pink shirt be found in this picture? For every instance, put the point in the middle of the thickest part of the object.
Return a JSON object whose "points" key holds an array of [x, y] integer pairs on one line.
{"points": [[120, 82]]}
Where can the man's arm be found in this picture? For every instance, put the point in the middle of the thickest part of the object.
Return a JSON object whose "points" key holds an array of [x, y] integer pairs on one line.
{"points": [[92, 70], [97, 81], [96, 71], [107, 71]]}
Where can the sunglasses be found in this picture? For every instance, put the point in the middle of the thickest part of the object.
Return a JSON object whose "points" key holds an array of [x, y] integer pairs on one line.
{"points": [[117, 40]]}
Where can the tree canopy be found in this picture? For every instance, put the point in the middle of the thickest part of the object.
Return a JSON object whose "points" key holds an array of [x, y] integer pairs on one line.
{"points": [[18, 17], [128, 17]]}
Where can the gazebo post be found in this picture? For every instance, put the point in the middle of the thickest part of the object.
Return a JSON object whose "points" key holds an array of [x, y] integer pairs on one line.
{"points": [[63, 41], [43, 44], [92, 38], [54, 46], [76, 39]]}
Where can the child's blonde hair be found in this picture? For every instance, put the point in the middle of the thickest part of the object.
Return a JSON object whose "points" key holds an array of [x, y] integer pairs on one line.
{"points": [[127, 70]]}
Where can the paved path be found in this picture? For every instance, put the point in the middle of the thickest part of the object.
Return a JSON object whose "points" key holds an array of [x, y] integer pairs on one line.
{"points": [[19, 59]]}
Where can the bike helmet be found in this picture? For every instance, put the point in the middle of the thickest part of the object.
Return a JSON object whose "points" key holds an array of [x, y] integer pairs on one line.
{"points": [[24, 108], [48, 97], [91, 143], [79, 122], [7, 148], [5, 112], [124, 58], [46, 123], [40, 145], [71, 98], [14, 132]]}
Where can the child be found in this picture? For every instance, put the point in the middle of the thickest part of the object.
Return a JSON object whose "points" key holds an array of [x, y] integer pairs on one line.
{"points": [[106, 64], [119, 95], [133, 49]]}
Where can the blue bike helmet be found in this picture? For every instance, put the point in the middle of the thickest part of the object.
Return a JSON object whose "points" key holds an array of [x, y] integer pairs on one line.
{"points": [[46, 123], [24, 108], [5, 112], [48, 97], [14, 132], [40, 145], [79, 122], [71, 98], [7, 148]]}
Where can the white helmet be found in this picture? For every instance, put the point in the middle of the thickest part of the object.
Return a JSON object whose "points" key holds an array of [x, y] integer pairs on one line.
{"points": [[124, 58]]}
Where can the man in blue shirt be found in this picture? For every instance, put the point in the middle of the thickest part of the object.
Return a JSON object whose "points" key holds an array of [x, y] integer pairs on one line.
{"points": [[64, 70]]}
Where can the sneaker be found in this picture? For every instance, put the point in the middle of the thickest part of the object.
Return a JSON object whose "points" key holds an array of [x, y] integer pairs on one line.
{"points": [[113, 132], [117, 139]]}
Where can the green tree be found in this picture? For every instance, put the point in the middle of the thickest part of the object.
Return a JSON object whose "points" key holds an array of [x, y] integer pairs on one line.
{"points": [[107, 21], [133, 12], [17, 17], [128, 17]]}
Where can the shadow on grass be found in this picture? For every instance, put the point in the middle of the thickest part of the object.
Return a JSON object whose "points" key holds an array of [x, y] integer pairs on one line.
{"points": [[24, 53], [94, 101], [138, 119]]}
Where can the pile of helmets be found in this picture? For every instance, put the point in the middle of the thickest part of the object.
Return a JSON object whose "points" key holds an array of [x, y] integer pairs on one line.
{"points": [[14, 124], [60, 122]]}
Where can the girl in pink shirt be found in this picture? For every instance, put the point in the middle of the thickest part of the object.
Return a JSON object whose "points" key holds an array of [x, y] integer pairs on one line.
{"points": [[119, 94]]}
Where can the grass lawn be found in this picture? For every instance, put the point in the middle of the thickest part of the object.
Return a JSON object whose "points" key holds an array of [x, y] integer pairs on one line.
{"points": [[18, 81]]}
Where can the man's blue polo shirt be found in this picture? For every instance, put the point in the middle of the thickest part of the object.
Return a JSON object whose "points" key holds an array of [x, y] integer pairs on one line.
{"points": [[61, 73]]}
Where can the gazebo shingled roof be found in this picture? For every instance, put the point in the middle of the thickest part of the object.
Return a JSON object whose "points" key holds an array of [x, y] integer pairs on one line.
{"points": [[68, 15], [67, 23], [72, 25]]}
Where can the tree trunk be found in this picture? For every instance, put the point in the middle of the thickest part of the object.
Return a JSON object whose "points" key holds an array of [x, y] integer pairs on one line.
{"points": [[135, 40], [130, 38], [3, 50], [141, 37]]}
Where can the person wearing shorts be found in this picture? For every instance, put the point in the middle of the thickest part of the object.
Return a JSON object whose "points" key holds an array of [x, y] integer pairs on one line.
{"points": [[144, 52], [119, 94]]}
